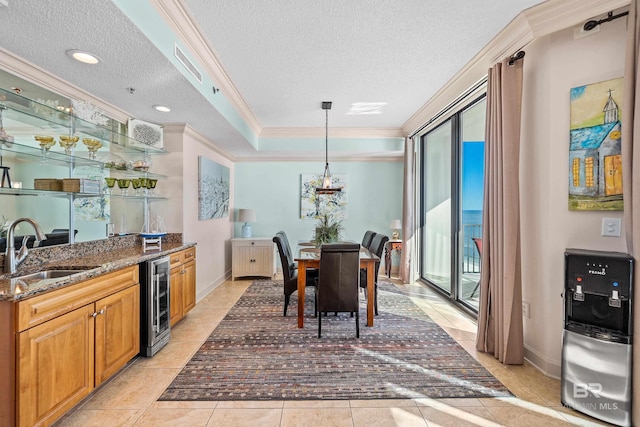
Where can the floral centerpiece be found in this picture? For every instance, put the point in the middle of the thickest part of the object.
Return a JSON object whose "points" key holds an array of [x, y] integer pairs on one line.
{"points": [[328, 230]]}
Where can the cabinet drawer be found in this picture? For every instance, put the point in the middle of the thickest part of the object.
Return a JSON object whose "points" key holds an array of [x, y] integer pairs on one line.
{"points": [[39, 309], [252, 242], [176, 259], [188, 255]]}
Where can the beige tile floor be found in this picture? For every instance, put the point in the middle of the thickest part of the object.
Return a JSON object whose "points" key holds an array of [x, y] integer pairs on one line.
{"points": [[130, 399]]}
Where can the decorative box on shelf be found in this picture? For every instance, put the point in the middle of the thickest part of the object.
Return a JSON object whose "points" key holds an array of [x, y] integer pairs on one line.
{"points": [[81, 185], [47, 184]]}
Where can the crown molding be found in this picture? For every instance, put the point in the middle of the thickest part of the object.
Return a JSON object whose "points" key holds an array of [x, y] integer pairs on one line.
{"points": [[535, 22], [320, 158], [333, 133], [26, 70], [176, 16], [185, 130]]}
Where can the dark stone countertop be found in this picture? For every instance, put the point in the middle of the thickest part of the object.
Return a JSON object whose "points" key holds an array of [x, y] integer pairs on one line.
{"points": [[93, 258]]}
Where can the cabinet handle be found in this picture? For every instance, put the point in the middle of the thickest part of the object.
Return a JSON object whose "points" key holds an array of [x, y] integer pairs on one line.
{"points": [[101, 311], [94, 314], [175, 260]]}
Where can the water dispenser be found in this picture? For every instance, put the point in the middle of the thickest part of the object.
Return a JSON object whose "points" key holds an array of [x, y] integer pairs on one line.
{"points": [[598, 334]]}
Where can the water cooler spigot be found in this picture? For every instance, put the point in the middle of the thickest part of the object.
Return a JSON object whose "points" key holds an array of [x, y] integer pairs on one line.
{"points": [[614, 299], [578, 295]]}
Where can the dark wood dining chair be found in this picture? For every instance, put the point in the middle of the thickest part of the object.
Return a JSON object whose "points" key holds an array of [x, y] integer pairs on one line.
{"points": [[376, 247], [290, 269], [367, 238], [338, 281]]}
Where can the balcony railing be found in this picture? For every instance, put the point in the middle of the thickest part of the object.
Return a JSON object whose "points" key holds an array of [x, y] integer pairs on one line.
{"points": [[470, 255]]}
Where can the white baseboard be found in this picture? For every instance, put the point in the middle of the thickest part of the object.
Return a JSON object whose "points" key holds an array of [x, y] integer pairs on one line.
{"points": [[550, 368]]}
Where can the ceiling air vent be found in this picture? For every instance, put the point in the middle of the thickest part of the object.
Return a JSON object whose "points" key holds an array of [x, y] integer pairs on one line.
{"points": [[187, 64]]}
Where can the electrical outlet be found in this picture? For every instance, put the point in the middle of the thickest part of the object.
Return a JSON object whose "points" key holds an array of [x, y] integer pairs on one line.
{"points": [[525, 310], [611, 227]]}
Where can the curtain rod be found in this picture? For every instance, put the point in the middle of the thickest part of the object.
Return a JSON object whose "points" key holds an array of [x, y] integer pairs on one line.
{"points": [[516, 57], [590, 25], [451, 105]]}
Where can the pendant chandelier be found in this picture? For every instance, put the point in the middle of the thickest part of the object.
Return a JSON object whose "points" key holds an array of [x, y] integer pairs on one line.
{"points": [[327, 185]]}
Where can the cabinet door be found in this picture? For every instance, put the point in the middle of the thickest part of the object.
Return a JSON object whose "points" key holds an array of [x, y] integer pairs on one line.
{"points": [[243, 261], [117, 332], [55, 366], [175, 295], [263, 261], [188, 287]]}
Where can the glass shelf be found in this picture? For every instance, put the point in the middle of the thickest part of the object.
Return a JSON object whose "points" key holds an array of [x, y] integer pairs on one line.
{"points": [[17, 151], [22, 115], [49, 193]]}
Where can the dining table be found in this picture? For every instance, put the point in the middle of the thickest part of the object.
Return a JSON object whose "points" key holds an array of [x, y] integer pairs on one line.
{"points": [[309, 257]]}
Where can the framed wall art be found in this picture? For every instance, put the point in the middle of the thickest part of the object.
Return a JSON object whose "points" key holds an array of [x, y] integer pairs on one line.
{"points": [[213, 189], [595, 147], [144, 134], [314, 205]]}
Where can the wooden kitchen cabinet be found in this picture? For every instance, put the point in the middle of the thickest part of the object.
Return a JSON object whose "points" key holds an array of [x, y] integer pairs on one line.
{"points": [[183, 284], [252, 257], [71, 340]]}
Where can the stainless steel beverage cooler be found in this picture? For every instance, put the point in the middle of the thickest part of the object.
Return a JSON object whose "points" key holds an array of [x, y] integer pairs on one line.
{"points": [[598, 334], [155, 330]]}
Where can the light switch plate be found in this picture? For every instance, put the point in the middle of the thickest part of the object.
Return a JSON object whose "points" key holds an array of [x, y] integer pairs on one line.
{"points": [[611, 227]]}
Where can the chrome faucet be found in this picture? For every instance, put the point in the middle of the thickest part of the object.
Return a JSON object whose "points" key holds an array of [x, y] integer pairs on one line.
{"points": [[13, 258]]}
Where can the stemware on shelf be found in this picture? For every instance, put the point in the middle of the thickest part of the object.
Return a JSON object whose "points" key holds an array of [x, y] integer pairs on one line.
{"points": [[46, 142], [123, 185], [92, 145], [68, 143], [136, 184], [110, 183], [151, 185]]}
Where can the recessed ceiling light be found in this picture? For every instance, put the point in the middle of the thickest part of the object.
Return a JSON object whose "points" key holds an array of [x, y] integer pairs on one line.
{"points": [[82, 56], [366, 108], [162, 108]]}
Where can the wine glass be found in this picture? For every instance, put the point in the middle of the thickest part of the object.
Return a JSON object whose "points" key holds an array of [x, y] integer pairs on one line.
{"points": [[46, 142], [136, 184], [144, 184], [92, 145], [123, 185], [110, 183], [151, 185], [68, 143]]}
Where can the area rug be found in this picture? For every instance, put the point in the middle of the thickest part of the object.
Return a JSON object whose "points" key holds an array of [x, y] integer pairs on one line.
{"points": [[257, 354]]}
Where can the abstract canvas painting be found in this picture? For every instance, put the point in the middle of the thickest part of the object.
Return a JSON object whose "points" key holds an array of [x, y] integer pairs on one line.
{"points": [[314, 205], [595, 153], [213, 189]]}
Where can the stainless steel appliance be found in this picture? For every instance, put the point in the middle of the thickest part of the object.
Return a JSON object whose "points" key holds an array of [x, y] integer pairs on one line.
{"points": [[154, 305], [598, 335]]}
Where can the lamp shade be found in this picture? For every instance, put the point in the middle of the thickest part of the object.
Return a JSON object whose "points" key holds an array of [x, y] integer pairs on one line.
{"points": [[395, 224], [246, 215]]}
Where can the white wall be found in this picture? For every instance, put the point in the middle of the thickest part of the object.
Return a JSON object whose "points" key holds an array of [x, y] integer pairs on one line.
{"points": [[553, 65], [213, 251]]}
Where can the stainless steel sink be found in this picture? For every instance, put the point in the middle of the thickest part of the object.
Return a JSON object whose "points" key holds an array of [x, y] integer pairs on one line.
{"points": [[48, 274]]}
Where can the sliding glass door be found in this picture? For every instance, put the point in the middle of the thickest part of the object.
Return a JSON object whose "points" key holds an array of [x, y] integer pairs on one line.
{"points": [[452, 165], [472, 125], [436, 199]]}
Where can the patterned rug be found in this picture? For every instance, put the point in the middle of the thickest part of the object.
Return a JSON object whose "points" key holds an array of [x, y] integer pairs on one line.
{"points": [[257, 354]]}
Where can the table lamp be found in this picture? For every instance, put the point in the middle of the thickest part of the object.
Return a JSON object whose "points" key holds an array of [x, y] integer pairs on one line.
{"points": [[395, 226], [246, 216]]}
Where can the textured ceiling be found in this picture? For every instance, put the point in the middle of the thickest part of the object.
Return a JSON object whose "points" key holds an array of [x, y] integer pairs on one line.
{"points": [[287, 56], [284, 57]]}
